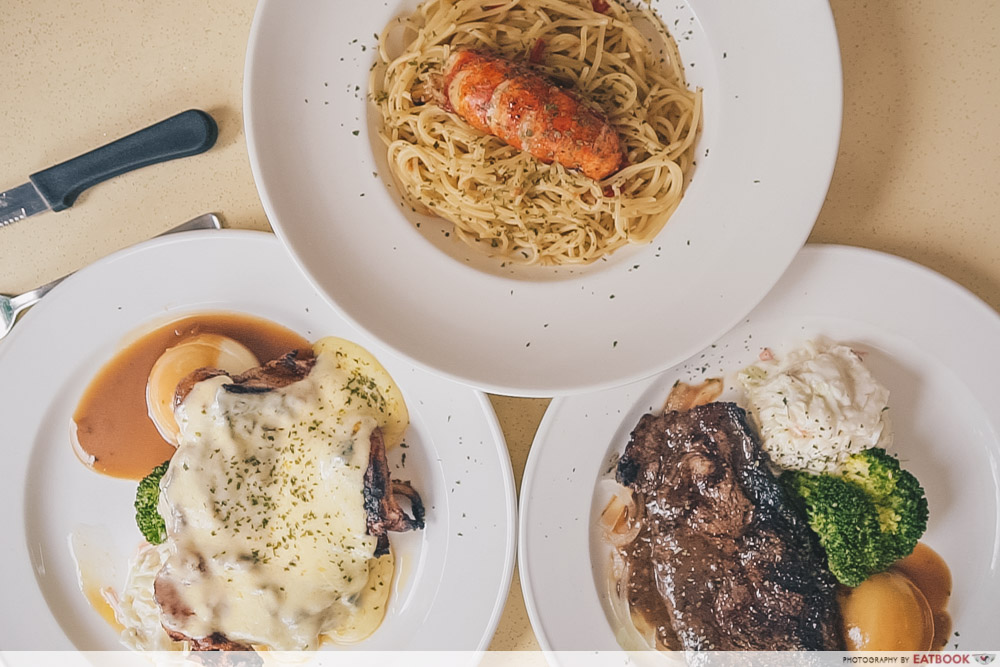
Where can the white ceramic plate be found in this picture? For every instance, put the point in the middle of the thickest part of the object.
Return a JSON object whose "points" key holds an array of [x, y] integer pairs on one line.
{"points": [[772, 97], [452, 578], [933, 344]]}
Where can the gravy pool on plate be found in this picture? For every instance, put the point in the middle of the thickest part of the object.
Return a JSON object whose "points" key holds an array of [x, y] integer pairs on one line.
{"points": [[113, 433]]}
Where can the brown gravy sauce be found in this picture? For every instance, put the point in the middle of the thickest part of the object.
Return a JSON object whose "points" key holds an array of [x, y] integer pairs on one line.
{"points": [[930, 574], [924, 568], [114, 434], [645, 603]]}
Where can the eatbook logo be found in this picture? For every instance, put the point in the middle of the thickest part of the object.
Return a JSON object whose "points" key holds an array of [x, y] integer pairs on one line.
{"points": [[948, 658]]}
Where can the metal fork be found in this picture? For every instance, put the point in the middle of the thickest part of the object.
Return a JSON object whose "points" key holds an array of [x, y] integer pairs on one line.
{"points": [[10, 306]]}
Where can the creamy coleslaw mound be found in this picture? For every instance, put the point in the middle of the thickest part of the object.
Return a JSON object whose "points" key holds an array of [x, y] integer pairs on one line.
{"points": [[137, 610], [817, 406]]}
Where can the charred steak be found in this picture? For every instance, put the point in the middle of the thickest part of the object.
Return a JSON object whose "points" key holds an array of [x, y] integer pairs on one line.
{"points": [[735, 564]]}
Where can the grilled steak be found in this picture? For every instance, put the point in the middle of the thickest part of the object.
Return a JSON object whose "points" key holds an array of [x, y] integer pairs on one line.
{"points": [[735, 564]]}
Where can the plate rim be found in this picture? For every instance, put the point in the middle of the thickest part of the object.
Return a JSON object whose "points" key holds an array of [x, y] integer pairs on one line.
{"points": [[18, 487], [538, 387]]}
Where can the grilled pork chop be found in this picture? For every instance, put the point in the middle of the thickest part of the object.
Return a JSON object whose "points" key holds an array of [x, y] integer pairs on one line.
{"points": [[736, 566], [384, 513], [381, 503]]}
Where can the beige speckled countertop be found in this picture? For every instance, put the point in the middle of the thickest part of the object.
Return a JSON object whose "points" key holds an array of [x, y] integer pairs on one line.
{"points": [[916, 175]]}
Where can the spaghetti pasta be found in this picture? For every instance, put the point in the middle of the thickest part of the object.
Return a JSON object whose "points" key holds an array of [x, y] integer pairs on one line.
{"points": [[503, 199]]}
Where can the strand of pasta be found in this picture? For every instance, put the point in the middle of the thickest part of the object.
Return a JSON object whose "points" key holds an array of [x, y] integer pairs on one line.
{"points": [[504, 198]]}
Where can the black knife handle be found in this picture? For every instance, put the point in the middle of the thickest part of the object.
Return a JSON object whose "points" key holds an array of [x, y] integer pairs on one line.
{"points": [[188, 133]]}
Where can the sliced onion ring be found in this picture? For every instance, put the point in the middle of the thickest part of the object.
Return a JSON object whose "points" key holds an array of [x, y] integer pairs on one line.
{"points": [[685, 396], [620, 520]]}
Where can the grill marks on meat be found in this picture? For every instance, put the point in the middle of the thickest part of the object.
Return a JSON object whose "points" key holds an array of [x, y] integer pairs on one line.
{"points": [[384, 514], [735, 564], [171, 606], [276, 374]]}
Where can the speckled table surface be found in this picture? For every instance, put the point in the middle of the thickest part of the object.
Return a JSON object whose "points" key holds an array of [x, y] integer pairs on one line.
{"points": [[916, 174]]}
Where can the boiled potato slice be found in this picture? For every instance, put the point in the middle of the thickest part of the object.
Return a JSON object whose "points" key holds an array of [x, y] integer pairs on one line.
{"points": [[371, 603], [376, 391]]}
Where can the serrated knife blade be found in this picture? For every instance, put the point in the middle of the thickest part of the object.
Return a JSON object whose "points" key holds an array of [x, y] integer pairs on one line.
{"points": [[20, 202], [188, 133]]}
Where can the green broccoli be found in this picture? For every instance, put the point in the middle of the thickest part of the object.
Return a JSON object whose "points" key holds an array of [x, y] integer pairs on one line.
{"points": [[147, 497], [867, 517]]}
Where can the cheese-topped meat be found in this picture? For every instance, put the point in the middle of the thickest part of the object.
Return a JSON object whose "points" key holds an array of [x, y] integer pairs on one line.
{"points": [[264, 503]]}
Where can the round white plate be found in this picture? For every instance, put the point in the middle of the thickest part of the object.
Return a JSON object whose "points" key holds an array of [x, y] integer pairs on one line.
{"points": [[932, 343], [772, 97], [452, 577]]}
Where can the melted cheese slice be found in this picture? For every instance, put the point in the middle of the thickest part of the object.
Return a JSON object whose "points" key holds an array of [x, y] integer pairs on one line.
{"points": [[373, 391], [263, 502]]}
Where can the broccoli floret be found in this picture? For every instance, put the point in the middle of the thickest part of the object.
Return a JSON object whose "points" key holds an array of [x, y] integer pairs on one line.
{"points": [[902, 506], [867, 517], [147, 497]]}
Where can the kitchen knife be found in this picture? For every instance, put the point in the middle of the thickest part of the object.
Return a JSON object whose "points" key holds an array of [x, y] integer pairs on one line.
{"points": [[188, 133]]}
